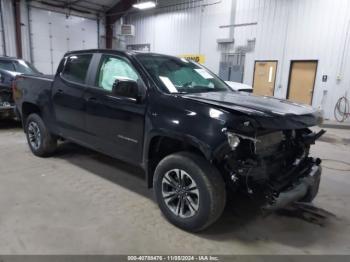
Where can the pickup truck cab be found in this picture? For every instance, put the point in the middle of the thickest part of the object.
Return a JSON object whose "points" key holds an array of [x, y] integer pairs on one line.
{"points": [[195, 138]]}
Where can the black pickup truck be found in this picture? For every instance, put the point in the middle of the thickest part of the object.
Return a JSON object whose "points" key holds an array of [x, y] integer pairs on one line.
{"points": [[196, 139]]}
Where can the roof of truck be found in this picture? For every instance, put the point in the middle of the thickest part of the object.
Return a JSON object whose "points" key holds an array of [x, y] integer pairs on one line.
{"points": [[111, 51]]}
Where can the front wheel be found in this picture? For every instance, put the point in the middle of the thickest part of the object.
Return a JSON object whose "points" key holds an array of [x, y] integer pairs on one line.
{"points": [[41, 142], [189, 190]]}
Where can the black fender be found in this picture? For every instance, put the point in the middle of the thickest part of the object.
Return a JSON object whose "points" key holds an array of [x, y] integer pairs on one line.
{"points": [[188, 139]]}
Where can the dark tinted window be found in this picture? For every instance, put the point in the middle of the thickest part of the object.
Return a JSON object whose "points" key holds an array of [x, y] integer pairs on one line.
{"points": [[76, 68], [7, 65]]}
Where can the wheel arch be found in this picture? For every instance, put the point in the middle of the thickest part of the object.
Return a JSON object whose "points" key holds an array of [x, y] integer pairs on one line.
{"points": [[27, 109], [162, 144]]}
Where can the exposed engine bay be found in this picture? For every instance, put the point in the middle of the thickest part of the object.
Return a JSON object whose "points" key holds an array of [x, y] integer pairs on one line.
{"points": [[271, 165], [5, 97], [6, 103]]}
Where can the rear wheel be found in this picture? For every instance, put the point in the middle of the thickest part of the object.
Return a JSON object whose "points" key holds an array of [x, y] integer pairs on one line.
{"points": [[189, 190], [41, 142]]}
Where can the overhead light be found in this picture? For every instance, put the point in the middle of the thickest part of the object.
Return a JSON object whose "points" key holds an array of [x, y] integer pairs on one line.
{"points": [[145, 5]]}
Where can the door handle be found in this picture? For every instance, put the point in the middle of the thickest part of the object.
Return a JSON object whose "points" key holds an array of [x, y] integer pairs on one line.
{"points": [[60, 91], [92, 99]]}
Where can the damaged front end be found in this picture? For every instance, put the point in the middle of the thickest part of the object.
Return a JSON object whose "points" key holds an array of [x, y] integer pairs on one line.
{"points": [[274, 167], [7, 106]]}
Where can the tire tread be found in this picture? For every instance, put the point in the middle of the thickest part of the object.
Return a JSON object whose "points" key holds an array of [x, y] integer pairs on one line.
{"points": [[49, 142], [213, 181]]}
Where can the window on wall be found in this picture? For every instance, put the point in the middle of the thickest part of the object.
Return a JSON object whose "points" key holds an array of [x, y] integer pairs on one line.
{"points": [[113, 68], [76, 68]]}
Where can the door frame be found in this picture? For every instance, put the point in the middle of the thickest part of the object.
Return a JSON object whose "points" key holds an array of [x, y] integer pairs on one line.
{"points": [[290, 75], [274, 83], [92, 87]]}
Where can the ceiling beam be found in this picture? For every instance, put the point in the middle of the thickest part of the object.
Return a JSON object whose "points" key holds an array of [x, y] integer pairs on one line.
{"points": [[119, 9], [89, 6], [62, 5], [112, 15]]}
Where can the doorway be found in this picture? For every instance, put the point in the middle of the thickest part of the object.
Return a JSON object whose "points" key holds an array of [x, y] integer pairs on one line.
{"points": [[264, 78], [302, 77]]}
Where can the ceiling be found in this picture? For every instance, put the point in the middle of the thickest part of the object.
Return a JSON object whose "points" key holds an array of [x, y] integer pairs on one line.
{"points": [[84, 6], [93, 8]]}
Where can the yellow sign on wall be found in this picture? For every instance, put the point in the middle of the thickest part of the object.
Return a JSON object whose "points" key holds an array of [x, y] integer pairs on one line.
{"points": [[195, 57]]}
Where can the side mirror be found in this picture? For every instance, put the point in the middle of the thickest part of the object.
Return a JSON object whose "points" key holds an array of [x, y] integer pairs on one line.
{"points": [[126, 88]]}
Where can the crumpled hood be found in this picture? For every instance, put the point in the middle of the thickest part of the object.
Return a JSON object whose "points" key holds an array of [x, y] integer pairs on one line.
{"points": [[265, 104], [262, 107]]}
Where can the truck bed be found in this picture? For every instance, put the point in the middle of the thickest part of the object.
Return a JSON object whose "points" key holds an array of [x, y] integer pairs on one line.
{"points": [[32, 89]]}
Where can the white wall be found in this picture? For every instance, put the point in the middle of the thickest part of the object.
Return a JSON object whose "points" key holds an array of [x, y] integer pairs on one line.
{"points": [[26, 51], [190, 28], [9, 27], [2, 43], [46, 35], [299, 30], [286, 30]]}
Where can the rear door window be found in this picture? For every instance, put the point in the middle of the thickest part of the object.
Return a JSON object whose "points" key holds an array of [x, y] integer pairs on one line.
{"points": [[76, 68]]}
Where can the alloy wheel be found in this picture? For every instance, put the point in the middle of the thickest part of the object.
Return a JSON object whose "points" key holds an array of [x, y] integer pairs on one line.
{"points": [[180, 193], [34, 135]]}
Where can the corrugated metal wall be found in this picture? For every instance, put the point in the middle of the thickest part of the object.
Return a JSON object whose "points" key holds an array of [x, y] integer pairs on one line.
{"points": [[46, 35], [299, 30], [183, 27], [2, 40], [286, 30], [9, 27], [8, 36]]}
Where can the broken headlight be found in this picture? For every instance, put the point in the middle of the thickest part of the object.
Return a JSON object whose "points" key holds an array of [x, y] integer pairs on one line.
{"points": [[233, 140]]}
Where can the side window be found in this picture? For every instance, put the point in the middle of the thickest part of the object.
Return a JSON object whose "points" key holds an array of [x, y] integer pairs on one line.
{"points": [[113, 68], [76, 68]]}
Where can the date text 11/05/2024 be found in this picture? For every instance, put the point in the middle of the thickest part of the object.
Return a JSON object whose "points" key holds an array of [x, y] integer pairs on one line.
{"points": [[173, 258]]}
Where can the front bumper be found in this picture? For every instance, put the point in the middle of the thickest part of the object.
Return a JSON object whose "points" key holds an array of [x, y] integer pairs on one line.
{"points": [[305, 189], [7, 111]]}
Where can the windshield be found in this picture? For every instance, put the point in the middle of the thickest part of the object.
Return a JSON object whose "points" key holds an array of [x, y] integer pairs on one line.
{"points": [[24, 67], [178, 75]]}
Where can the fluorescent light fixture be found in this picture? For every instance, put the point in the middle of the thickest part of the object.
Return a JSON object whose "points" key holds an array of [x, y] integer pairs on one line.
{"points": [[145, 5]]}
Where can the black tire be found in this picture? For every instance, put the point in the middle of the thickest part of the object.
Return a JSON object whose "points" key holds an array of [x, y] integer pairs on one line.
{"points": [[47, 143], [211, 190]]}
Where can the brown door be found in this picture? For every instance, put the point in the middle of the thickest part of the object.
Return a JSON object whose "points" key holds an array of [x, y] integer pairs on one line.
{"points": [[302, 81], [264, 78]]}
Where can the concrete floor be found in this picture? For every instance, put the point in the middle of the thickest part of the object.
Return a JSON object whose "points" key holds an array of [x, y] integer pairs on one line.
{"points": [[81, 202]]}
